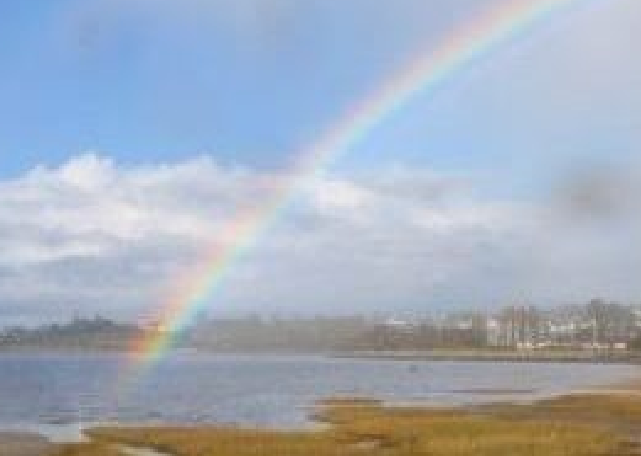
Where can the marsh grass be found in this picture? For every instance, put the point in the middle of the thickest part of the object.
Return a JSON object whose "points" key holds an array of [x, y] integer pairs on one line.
{"points": [[582, 425], [88, 449], [616, 412]]}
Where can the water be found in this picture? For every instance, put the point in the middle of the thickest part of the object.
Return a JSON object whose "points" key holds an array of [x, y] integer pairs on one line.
{"points": [[57, 394]]}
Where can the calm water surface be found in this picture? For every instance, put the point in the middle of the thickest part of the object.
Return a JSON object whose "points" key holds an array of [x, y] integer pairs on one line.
{"points": [[52, 393]]}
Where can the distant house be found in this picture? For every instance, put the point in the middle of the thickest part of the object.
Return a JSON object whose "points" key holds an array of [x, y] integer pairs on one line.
{"points": [[152, 325], [400, 325]]}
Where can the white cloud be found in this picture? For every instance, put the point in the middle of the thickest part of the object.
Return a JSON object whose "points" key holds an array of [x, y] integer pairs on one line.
{"points": [[92, 235]]}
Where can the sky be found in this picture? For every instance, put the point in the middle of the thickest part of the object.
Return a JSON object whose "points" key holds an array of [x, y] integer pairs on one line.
{"points": [[131, 131]]}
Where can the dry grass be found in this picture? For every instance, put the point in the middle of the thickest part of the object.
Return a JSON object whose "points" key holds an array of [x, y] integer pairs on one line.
{"points": [[86, 449], [618, 412], [570, 426]]}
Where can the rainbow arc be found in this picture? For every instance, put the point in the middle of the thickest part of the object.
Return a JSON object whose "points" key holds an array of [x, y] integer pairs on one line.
{"points": [[469, 44]]}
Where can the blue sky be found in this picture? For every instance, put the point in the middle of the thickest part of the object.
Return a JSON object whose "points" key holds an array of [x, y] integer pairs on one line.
{"points": [[254, 81], [123, 125], [155, 83]]}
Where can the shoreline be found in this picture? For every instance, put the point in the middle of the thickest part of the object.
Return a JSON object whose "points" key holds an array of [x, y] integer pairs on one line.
{"points": [[495, 411], [574, 424], [333, 413], [436, 355], [524, 356]]}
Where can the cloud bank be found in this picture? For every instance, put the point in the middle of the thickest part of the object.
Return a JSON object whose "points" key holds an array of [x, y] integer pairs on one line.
{"points": [[91, 235]]}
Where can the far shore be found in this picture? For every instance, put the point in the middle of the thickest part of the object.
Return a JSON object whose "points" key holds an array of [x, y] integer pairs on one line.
{"points": [[435, 355], [528, 356]]}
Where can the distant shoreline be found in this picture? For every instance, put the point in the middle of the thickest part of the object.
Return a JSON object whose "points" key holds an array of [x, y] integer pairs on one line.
{"points": [[524, 356], [437, 355]]}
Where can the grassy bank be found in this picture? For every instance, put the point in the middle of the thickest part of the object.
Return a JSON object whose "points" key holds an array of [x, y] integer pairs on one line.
{"points": [[577, 425]]}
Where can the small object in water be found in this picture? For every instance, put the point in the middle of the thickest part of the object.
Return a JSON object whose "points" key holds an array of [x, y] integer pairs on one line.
{"points": [[413, 368]]}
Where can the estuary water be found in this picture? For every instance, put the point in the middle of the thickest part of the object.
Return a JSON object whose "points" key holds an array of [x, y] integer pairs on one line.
{"points": [[58, 394]]}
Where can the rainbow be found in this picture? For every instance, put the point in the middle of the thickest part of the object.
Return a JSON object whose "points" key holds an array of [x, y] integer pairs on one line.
{"points": [[464, 47]]}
